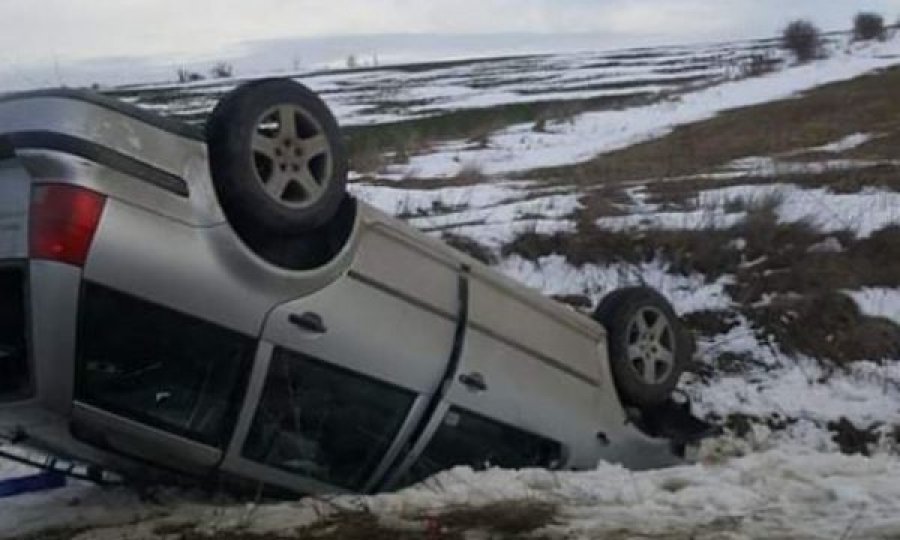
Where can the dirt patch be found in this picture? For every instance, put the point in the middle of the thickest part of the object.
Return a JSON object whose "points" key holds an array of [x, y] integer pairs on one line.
{"points": [[741, 425], [709, 323], [470, 247], [64, 533], [510, 519], [851, 439], [732, 363], [507, 520], [578, 301], [828, 325]]}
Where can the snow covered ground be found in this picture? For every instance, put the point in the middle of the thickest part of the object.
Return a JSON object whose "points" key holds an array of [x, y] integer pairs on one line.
{"points": [[781, 492], [784, 477]]}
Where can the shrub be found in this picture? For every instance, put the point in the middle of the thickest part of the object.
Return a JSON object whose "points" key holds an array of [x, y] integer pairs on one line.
{"points": [[186, 76], [803, 39], [222, 70], [868, 26]]}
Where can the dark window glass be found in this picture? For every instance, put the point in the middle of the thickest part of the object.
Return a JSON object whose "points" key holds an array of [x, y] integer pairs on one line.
{"points": [[324, 422], [466, 438], [14, 376], [161, 367]]}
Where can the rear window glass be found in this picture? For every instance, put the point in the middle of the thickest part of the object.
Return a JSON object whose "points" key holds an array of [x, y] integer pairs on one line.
{"points": [[161, 367], [15, 380]]}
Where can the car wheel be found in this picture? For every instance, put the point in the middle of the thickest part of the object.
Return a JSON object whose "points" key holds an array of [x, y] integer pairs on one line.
{"points": [[649, 348], [277, 157]]}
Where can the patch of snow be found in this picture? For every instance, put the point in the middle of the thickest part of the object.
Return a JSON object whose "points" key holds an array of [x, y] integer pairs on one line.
{"points": [[862, 213], [413, 202], [801, 388], [694, 220], [829, 245], [878, 302], [849, 142], [553, 275], [772, 167]]}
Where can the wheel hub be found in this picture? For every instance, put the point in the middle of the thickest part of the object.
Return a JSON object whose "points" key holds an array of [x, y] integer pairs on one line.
{"points": [[651, 345]]}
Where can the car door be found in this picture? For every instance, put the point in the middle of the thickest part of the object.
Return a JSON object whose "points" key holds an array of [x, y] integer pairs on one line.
{"points": [[347, 374], [526, 393]]}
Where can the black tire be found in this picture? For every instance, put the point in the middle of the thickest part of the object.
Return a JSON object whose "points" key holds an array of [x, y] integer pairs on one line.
{"points": [[277, 158], [646, 361]]}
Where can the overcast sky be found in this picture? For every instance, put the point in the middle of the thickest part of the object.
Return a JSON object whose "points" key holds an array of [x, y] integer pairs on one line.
{"points": [[62, 31]]}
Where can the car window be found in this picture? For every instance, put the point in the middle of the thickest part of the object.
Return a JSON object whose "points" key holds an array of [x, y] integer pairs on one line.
{"points": [[324, 422], [14, 379], [466, 438], [160, 367]]}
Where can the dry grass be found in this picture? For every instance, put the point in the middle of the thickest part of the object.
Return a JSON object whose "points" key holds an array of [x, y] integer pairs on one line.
{"points": [[507, 520], [470, 247], [686, 251], [883, 146], [579, 302], [867, 104], [64, 533], [828, 325]]}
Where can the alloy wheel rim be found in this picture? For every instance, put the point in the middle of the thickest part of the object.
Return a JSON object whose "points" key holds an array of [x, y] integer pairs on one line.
{"points": [[291, 157], [651, 345]]}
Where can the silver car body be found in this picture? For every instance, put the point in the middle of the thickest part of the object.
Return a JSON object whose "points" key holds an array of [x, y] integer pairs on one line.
{"points": [[400, 308]]}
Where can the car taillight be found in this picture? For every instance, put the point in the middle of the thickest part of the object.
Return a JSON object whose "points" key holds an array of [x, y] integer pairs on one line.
{"points": [[63, 221]]}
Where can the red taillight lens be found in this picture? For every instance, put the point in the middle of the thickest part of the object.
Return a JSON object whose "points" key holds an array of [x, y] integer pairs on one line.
{"points": [[64, 219]]}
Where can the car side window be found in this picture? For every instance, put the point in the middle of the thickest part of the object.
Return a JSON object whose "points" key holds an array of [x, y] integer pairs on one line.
{"points": [[160, 367], [324, 422], [466, 438]]}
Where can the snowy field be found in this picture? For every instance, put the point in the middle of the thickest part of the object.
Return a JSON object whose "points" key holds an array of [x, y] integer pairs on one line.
{"points": [[381, 95], [791, 405]]}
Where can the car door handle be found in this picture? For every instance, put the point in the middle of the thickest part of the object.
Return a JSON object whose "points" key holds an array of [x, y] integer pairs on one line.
{"points": [[309, 322], [474, 382]]}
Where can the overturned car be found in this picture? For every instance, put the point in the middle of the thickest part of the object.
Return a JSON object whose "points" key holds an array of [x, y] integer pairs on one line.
{"points": [[217, 306]]}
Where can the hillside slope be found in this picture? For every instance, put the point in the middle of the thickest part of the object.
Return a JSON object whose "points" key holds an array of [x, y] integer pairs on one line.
{"points": [[765, 206]]}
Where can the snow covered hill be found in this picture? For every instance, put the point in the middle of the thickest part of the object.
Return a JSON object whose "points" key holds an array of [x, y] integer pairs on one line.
{"points": [[761, 196]]}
